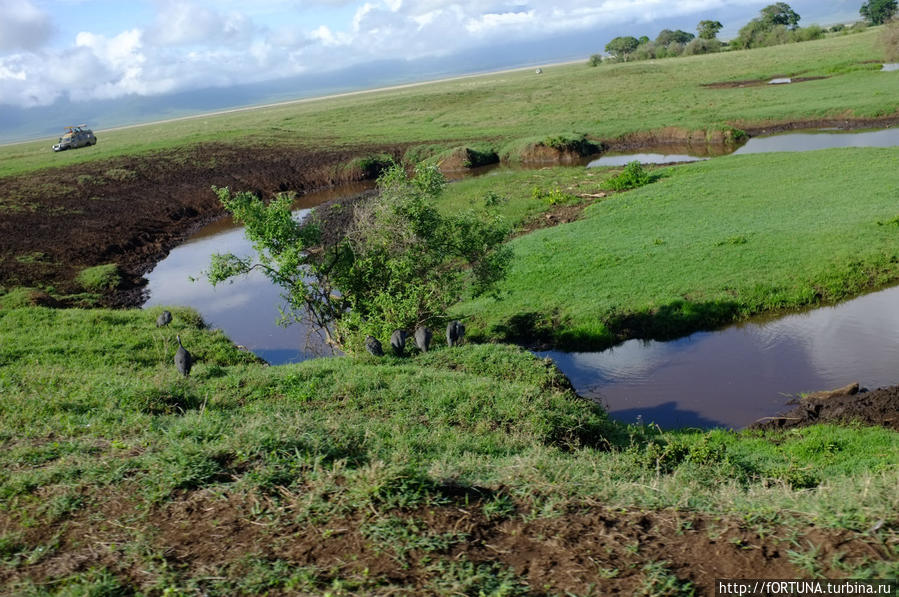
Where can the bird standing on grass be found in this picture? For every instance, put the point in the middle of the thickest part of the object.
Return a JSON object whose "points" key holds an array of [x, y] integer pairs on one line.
{"points": [[398, 342], [423, 337], [183, 360], [373, 345], [455, 331], [164, 318]]}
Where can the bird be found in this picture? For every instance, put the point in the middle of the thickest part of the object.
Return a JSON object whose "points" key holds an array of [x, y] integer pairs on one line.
{"points": [[183, 360], [373, 345], [423, 337], [455, 331], [398, 342], [164, 318]]}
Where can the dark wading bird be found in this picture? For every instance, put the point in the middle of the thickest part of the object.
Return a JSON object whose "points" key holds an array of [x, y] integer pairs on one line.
{"points": [[164, 318], [455, 331], [183, 360], [398, 342], [423, 337], [373, 345]]}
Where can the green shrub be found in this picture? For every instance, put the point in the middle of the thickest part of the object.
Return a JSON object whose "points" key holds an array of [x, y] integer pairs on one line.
{"points": [[373, 165], [100, 278], [633, 176], [595, 60]]}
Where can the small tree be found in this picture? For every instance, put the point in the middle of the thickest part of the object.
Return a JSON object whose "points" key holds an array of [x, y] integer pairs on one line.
{"points": [[708, 29], [780, 14], [622, 47], [878, 12], [400, 264], [667, 37]]}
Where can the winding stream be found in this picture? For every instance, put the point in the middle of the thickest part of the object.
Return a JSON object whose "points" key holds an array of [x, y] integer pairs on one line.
{"points": [[729, 377]]}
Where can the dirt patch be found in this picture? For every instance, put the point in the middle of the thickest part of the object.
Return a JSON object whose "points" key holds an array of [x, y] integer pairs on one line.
{"points": [[758, 82], [133, 210], [847, 122], [879, 407], [676, 136], [544, 154], [233, 538]]}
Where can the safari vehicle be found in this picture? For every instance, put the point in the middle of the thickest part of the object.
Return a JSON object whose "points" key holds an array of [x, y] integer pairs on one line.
{"points": [[75, 136]]}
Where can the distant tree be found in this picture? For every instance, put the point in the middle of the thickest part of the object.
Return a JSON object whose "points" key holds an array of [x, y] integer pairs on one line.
{"points": [[622, 47], [708, 29], [667, 37], [643, 40], [878, 12], [702, 46], [780, 14]]}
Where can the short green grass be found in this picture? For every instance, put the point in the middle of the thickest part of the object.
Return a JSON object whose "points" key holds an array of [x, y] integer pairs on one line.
{"points": [[705, 244], [507, 107], [92, 406]]}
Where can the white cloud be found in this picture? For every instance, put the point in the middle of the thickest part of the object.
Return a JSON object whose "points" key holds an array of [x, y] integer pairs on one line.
{"points": [[180, 22], [23, 26], [191, 44]]}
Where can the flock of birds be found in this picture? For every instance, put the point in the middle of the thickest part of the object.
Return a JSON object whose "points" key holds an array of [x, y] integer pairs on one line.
{"points": [[455, 332]]}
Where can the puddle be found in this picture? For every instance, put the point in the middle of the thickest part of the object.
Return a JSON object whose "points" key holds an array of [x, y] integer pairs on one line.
{"points": [[623, 159], [791, 141], [890, 67], [737, 375]]}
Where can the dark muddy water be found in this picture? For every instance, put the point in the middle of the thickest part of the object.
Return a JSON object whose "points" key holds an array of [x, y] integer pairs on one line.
{"points": [[793, 141], [726, 378], [737, 375]]}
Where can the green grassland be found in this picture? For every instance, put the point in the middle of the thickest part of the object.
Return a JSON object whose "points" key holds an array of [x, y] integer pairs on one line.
{"points": [[604, 102], [94, 417], [704, 244]]}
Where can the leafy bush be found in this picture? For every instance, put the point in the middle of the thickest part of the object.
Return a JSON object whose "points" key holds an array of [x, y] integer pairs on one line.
{"points": [[401, 263], [100, 278], [373, 165], [634, 175], [572, 142], [595, 60], [554, 196]]}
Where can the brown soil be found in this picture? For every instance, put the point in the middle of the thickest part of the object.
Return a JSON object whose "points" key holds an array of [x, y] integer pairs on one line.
{"points": [[211, 535], [133, 210], [880, 407], [758, 82], [543, 154]]}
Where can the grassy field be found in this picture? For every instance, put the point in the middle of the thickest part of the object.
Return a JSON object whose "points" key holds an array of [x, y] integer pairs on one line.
{"points": [[603, 102], [704, 244], [110, 459]]}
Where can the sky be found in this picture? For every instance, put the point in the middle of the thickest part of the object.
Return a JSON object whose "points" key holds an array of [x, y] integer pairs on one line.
{"points": [[85, 51]]}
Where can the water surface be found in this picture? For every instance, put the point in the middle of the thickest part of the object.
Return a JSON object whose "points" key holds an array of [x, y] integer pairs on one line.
{"points": [[245, 308], [737, 375], [792, 141]]}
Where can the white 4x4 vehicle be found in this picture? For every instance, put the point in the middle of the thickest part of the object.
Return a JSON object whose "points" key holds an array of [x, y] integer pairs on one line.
{"points": [[75, 136]]}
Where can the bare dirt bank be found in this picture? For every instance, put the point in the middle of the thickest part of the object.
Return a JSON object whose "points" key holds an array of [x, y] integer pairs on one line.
{"points": [[133, 210]]}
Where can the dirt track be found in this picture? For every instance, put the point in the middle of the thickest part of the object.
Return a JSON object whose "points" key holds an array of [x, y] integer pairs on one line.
{"points": [[133, 210]]}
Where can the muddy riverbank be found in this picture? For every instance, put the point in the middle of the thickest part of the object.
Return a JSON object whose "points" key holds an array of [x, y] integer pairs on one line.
{"points": [[133, 210]]}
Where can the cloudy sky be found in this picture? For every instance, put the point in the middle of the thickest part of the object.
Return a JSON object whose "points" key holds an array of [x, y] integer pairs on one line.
{"points": [[83, 50]]}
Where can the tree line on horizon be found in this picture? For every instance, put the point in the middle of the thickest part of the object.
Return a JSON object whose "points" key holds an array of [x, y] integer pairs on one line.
{"points": [[777, 24]]}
